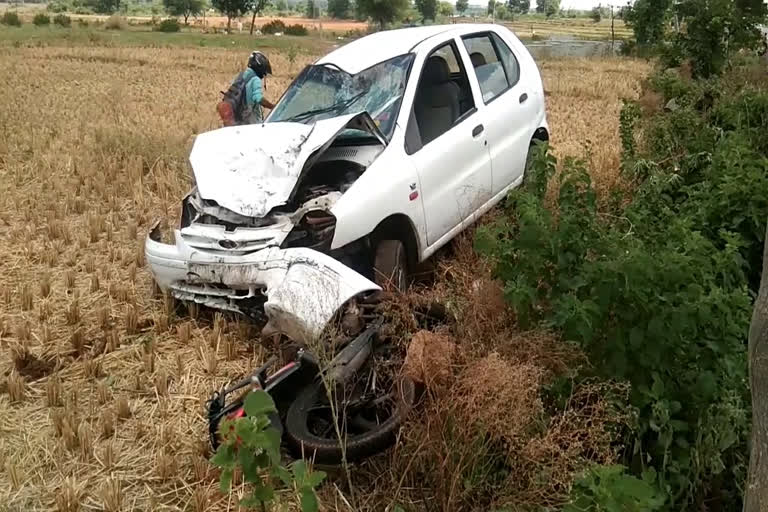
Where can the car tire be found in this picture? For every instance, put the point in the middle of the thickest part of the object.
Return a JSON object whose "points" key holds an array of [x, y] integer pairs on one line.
{"points": [[390, 265]]}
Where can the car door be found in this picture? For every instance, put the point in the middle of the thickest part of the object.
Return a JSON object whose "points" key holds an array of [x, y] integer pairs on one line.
{"points": [[446, 141], [507, 105]]}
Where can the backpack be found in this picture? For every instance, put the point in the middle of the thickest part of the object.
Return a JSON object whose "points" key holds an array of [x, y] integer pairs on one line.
{"points": [[235, 96]]}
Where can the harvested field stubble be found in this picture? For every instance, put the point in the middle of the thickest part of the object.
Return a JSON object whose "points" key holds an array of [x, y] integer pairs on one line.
{"points": [[102, 384]]}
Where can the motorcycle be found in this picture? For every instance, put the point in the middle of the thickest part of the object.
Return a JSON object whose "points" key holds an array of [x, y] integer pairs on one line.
{"points": [[348, 409]]}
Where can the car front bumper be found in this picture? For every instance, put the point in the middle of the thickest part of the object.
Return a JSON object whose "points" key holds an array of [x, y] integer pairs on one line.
{"points": [[303, 288]]}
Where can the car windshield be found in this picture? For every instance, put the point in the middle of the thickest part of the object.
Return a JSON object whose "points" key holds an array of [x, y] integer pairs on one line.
{"points": [[325, 91]]}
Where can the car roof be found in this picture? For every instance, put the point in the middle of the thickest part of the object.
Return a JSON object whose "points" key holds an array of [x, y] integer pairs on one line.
{"points": [[363, 53]]}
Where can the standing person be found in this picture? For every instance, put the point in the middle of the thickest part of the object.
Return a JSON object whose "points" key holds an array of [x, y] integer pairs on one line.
{"points": [[243, 101]]}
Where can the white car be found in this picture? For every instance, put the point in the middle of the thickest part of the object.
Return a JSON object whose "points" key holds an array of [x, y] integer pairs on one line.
{"points": [[376, 156]]}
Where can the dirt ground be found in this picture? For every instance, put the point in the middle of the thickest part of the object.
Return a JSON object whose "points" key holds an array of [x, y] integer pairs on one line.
{"points": [[101, 386]]}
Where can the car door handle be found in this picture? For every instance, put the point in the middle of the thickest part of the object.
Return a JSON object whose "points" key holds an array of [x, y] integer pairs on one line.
{"points": [[524, 97], [478, 130]]}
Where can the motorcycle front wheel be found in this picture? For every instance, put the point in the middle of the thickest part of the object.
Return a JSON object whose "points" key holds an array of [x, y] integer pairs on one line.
{"points": [[359, 419]]}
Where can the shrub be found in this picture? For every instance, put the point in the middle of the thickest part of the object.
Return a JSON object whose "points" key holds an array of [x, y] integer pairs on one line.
{"points": [[41, 19], [655, 292], [296, 30], [81, 22], [83, 10], [57, 7], [115, 22], [273, 27], [11, 19], [168, 25], [609, 488], [63, 20], [253, 445]]}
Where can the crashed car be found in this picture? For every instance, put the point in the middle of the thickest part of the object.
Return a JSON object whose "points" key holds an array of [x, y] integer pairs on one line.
{"points": [[376, 156]]}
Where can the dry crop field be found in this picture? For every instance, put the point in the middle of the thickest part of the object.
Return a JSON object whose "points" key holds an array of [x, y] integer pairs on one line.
{"points": [[101, 386]]}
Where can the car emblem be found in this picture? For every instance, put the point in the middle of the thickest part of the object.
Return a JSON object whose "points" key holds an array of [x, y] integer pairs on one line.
{"points": [[228, 244], [413, 186]]}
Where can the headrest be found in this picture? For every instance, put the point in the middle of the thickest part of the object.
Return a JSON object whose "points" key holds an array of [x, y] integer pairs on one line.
{"points": [[436, 70], [477, 59]]}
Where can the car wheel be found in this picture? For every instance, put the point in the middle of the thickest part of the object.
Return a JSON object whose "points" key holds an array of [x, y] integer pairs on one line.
{"points": [[390, 265]]}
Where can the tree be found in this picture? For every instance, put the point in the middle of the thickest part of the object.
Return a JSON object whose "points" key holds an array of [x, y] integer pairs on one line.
{"points": [[597, 14], [647, 19], [104, 6], [548, 7], [519, 6], [716, 28], [427, 8], [502, 12], [232, 8], [281, 5], [462, 6], [256, 6], [338, 8], [491, 7], [382, 11], [310, 8], [756, 498], [185, 8], [446, 9]]}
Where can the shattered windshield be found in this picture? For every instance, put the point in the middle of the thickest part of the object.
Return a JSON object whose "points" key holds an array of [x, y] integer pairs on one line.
{"points": [[324, 91]]}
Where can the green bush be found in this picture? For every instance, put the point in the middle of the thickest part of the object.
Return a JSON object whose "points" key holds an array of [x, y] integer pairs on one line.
{"points": [[273, 27], [41, 19], [253, 445], [11, 19], [610, 489], [115, 22], [296, 30], [63, 20], [168, 25], [657, 291], [56, 7]]}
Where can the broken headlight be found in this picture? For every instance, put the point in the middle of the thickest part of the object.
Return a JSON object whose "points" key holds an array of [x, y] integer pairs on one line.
{"points": [[314, 231]]}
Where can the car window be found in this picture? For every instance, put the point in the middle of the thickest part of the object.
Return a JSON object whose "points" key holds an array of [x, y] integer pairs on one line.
{"points": [[447, 53], [443, 95], [508, 59], [494, 64]]}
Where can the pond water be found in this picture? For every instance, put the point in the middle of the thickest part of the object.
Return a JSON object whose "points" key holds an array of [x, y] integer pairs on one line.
{"points": [[567, 46]]}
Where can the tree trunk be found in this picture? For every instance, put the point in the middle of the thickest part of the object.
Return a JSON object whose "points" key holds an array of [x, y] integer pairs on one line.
{"points": [[253, 20], [229, 23], [186, 17], [756, 499]]}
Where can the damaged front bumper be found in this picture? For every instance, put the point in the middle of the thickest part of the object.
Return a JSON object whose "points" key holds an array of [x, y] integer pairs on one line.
{"points": [[301, 289]]}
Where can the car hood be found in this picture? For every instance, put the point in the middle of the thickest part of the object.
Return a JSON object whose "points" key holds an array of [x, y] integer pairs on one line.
{"points": [[252, 169]]}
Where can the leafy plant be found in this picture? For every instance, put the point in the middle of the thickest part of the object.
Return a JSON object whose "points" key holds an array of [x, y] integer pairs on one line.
{"points": [[610, 489], [11, 19], [115, 22], [253, 445], [273, 27], [296, 30], [41, 19], [168, 25], [63, 20], [657, 292]]}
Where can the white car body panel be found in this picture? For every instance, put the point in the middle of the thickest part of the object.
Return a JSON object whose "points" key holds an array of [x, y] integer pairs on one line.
{"points": [[304, 288], [252, 169]]}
